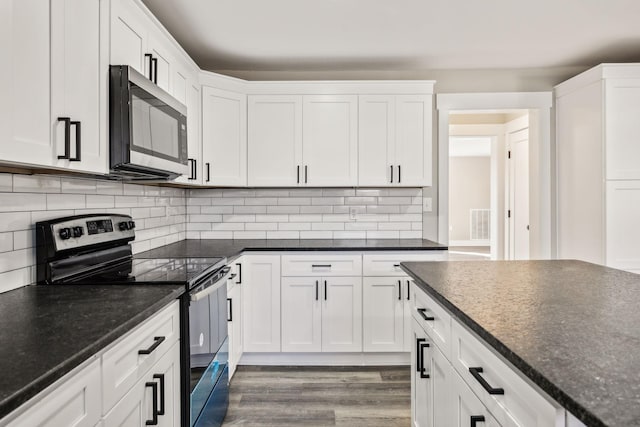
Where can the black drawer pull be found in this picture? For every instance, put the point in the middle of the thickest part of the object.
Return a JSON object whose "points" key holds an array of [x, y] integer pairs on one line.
{"points": [[230, 304], [239, 273], [423, 373], [418, 358], [396, 265], [158, 341], [476, 374], [391, 167], [475, 419], [421, 312], [408, 290], [161, 378], [399, 175], [316, 290], [154, 389], [325, 290], [399, 290], [320, 265]]}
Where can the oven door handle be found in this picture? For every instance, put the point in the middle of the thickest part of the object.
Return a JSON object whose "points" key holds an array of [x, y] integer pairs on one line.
{"points": [[197, 296]]}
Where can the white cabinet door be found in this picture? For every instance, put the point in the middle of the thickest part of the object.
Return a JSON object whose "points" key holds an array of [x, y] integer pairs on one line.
{"points": [[274, 140], [261, 299], [330, 141], [467, 407], [24, 82], [421, 391], [75, 403], [376, 139], [301, 314], [622, 124], [194, 145], [129, 36], [136, 408], [78, 86], [341, 314], [623, 235], [235, 328], [224, 137], [160, 49], [441, 375], [413, 154], [383, 313]]}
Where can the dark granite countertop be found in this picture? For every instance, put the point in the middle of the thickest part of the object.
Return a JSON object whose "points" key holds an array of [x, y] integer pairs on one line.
{"points": [[48, 330], [232, 248], [573, 328]]}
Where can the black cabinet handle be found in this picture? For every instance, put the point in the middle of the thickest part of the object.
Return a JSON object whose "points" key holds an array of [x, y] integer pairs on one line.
{"points": [[476, 374], [154, 389], [396, 265], [192, 172], [230, 308], [208, 171], [475, 419], [78, 156], [421, 312], [408, 290], [399, 290], [67, 136], [156, 343], [195, 169], [161, 378], [418, 359], [423, 373], [399, 175], [305, 174], [148, 55], [298, 174], [391, 167], [316, 290], [325, 290], [239, 273], [320, 265], [154, 61]]}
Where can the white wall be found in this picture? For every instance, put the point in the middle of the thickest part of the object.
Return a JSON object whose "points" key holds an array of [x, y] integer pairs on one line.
{"points": [[469, 188]]}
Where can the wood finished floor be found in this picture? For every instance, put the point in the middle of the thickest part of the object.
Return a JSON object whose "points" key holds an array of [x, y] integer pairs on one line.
{"points": [[320, 396]]}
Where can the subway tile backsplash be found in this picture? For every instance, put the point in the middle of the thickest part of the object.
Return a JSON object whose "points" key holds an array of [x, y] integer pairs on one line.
{"points": [[167, 214], [388, 213], [159, 212]]}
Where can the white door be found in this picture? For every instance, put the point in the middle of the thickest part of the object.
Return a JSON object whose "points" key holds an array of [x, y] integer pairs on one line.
{"points": [[622, 129], [301, 314], [341, 314], [412, 157], [330, 140], [274, 140], [376, 139], [24, 82], [78, 87], [224, 137], [261, 299], [383, 313], [129, 36], [519, 194], [623, 234]]}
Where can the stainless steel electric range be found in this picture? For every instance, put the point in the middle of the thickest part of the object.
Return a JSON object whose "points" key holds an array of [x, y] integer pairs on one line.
{"points": [[95, 249]]}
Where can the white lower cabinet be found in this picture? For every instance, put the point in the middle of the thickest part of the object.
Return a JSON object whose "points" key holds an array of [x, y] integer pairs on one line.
{"points": [[467, 408], [384, 302], [321, 314], [154, 399], [234, 298]]}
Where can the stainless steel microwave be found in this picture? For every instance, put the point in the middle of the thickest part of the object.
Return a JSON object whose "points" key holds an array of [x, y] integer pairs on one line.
{"points": [[147, 128]]}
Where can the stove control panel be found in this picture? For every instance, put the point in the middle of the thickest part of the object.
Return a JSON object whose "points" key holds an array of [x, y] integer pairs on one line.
{"points": [[75, 232]]}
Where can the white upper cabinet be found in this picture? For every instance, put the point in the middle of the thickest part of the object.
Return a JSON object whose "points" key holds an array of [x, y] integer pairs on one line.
{"points": [[224, 137], [189, 89], [78, 86], [24, 82], [330, 140], [395, 140], [129, 37], [275, 140], [622, 127]]}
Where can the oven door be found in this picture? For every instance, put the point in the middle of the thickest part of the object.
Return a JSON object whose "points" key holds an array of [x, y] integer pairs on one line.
{"points": [[208, 352]]}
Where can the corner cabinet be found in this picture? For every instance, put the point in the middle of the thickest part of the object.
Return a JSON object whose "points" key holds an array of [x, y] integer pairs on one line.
{"points": [[395, 134]]}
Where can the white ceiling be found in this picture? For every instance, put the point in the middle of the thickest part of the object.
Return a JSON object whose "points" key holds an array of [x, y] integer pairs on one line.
{"points": [[402, 35]]}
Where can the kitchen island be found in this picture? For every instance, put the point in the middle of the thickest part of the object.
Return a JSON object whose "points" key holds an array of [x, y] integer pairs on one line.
{"points": [[569, 327]]}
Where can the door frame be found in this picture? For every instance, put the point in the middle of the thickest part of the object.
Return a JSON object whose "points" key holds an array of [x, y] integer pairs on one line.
{"points": [[540, 172]]}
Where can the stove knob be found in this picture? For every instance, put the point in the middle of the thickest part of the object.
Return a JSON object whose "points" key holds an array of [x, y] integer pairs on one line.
{"points": [[77, 231], [124, 225], [132, 225], [65, 233]]}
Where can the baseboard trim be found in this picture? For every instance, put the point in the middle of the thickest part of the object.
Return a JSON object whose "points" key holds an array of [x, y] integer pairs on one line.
{"points": [[325, 359]]}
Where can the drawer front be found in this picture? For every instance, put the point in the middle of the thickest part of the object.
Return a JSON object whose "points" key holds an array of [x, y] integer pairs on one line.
{"points": [[75, 403], [435, 320], [520, 405], [319, 264], [388, 264], [123, 365], [467, 408]]}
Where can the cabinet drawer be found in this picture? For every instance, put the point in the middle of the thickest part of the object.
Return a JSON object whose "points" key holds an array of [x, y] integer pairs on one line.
{"points": [[388, 264], [468, 409], [434, 319], [75, 403], [325, 265], [130, 358], [520, 405]]}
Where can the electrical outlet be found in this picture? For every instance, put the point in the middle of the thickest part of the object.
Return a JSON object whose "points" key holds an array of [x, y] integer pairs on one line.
{"points": [[427, 204], [353, 214]]}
